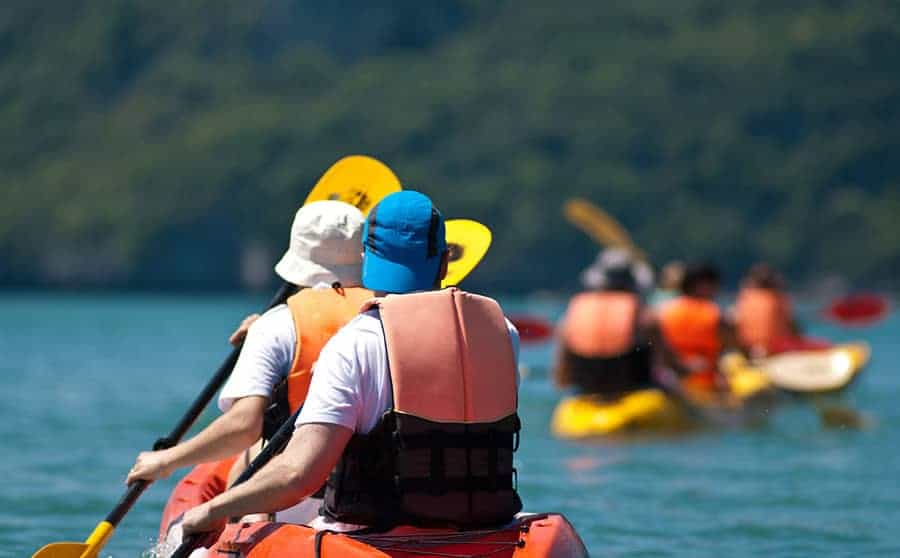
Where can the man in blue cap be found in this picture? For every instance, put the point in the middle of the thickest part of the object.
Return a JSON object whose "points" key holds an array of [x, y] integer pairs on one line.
{"points": [[412, 407]]}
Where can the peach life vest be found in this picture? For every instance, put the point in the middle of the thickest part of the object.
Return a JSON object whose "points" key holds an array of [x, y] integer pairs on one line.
{"points": [[318, 314], [690, 326], [601, 324], [762, 317], [443, 454]]}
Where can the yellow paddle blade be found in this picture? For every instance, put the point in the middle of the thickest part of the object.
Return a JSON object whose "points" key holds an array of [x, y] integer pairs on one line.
{"points": [[359, 180], [61, 550], [88, 549], [600, 226], [468, 241]]}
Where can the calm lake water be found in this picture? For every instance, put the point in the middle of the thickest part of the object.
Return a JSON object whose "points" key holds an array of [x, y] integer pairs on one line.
{"points": [[92, 380]]}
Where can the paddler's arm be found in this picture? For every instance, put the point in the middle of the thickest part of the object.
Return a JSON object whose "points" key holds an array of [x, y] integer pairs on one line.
{"points": [[264, 361], [791, 318], [561, 376], [728, 335], [298, 472], [666, 355], [232, 432]]}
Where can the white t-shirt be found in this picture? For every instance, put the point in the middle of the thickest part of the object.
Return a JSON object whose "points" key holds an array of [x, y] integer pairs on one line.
{"points": [[351, 382], [265, 359]]}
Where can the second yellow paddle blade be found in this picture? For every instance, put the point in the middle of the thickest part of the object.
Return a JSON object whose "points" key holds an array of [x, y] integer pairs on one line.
{"points": [[599, 225], [468, 241], [359, 180]]}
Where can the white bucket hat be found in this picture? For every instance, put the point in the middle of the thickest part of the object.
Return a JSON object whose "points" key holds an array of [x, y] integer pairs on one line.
{"points": [[325, 247]]}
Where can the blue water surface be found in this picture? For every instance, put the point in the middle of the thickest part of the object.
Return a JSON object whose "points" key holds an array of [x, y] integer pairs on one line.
{"points": [[92, 380]]}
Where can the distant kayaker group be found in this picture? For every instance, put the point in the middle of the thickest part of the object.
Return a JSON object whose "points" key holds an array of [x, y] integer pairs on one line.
{"points": [[639, 358], [618, 329]]}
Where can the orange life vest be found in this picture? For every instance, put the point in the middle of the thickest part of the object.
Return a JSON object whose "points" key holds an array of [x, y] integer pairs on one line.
{"points": [[601, 324], [318, 314], [763, 316], [690, 326], [443, 454]]}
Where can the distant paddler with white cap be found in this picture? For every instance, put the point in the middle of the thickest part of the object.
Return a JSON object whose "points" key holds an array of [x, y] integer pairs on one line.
{"points": [[272, 375], [604, 335]]}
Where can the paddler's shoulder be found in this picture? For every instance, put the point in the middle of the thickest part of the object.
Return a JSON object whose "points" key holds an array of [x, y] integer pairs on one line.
{"points": [[364, 326], [275, 324]]}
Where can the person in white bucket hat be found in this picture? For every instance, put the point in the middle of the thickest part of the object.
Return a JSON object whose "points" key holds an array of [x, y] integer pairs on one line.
{"points": [[324, 247], [272, 374], [321, 251]]}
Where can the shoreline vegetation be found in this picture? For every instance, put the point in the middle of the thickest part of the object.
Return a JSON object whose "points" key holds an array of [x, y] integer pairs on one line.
{"points": [[153, 146]]}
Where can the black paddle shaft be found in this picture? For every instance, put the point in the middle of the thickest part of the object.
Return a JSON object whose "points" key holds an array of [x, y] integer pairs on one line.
{"points": [[137, 488], [275, 446]]}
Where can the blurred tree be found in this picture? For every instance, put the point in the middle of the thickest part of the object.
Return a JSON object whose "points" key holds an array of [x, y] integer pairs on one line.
{"points": [[152, 143]]}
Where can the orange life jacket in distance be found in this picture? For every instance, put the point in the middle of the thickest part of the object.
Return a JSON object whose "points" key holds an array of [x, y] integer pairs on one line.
{"points": [[318, 314], [601, 323], [443, 454], [690, 326], [762, 316]]}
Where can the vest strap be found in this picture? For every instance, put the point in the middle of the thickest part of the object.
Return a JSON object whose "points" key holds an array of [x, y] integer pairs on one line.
{"points": [[491, 439], [278, 411], [456, 484]]}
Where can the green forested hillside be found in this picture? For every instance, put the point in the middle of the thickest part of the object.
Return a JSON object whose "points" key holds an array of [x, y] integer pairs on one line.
{"points": [[159, 143]]}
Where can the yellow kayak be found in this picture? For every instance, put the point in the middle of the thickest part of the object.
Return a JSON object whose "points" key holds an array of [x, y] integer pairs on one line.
{"points": [[820, 371], [656, 411], [646, 410]]}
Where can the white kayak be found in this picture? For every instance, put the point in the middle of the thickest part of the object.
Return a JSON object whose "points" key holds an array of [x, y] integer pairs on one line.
{"points": [[819, 371]]}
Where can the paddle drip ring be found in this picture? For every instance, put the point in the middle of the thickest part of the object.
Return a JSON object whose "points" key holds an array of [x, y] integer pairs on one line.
{"points": [[358, 198], [455, 252]]}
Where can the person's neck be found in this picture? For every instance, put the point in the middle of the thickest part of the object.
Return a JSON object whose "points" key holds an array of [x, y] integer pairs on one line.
{"points": [[382, 294]]}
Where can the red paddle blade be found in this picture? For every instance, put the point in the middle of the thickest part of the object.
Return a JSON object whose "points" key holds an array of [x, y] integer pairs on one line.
{"points": [[532, 329], [858, 309]]}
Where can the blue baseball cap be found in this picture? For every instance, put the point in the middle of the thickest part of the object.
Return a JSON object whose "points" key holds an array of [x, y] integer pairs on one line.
{"points": [[404, 239]]}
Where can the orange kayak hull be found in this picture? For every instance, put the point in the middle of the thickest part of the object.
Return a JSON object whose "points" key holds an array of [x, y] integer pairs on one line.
{"points": [[536, 536], [528, 536]]}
